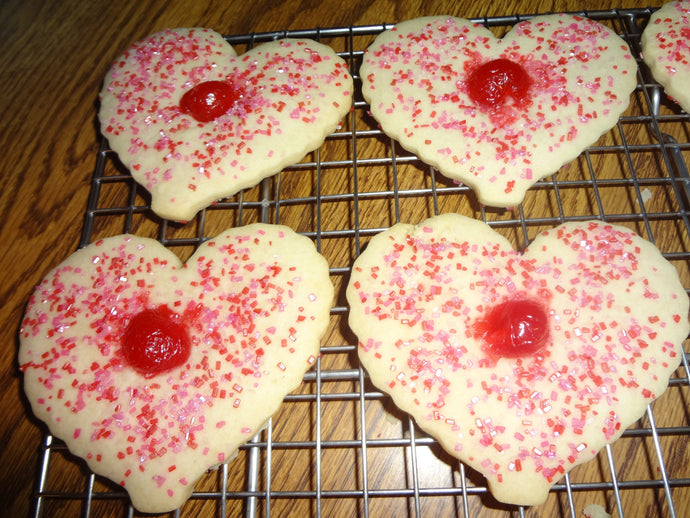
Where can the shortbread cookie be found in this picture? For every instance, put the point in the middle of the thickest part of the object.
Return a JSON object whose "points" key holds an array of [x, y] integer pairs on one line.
{"points": [[522, 365], [666, 50], [498, 114], [595, 511], [154, 371], [195, 123]]}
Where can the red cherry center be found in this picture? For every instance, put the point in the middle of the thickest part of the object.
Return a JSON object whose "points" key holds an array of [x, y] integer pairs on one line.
{"points": [[209, 100], [491, 83], [155, 341], [514, 328]]}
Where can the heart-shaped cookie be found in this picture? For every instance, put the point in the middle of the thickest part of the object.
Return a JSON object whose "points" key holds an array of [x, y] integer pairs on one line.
{"points": [[498, 114], [666, 49], [522, 365], [154, 371], [194, 122]]}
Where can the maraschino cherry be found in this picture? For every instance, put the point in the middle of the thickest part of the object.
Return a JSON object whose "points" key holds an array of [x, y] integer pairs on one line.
{"points": [[209, 100], [514, 328], [491, 83], [155, 341]]}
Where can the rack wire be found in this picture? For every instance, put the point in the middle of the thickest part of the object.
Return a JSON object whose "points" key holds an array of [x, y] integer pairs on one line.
{"points": [[338, 446]]}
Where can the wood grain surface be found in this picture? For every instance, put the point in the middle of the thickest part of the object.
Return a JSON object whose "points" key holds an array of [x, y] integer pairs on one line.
{"points": [[53, 57]]}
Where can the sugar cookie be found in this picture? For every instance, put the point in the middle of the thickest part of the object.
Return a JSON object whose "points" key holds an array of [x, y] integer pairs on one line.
{"points": [[522, 365], [498, 114], [194, 122], [154, 371]]}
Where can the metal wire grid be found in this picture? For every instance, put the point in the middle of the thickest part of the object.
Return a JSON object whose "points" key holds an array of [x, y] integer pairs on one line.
{"points": [[249, 485]]}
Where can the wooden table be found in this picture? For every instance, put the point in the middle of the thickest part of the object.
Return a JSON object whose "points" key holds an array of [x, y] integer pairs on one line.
{"points": [[53, 58]]}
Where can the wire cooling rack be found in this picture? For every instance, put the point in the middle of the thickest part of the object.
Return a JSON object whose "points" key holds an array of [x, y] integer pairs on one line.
{"points": [[338, 447]]}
